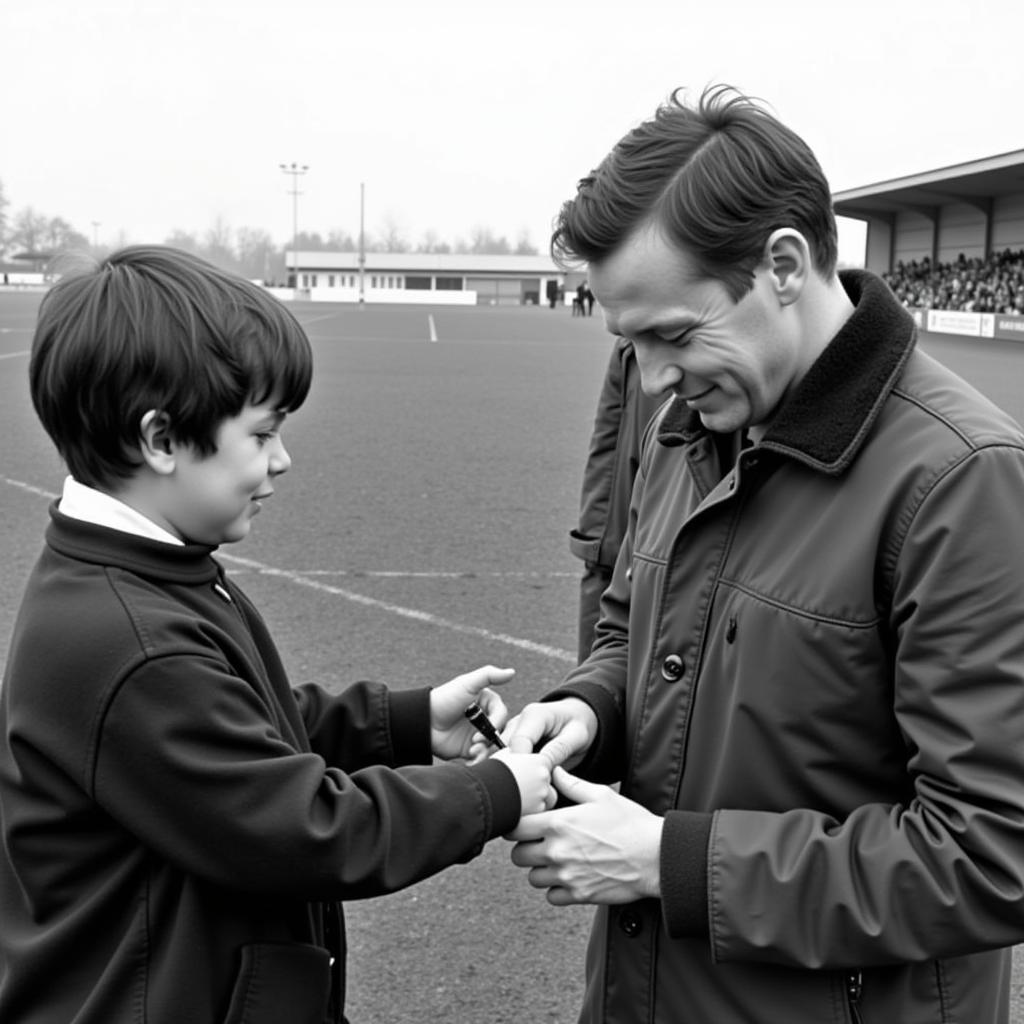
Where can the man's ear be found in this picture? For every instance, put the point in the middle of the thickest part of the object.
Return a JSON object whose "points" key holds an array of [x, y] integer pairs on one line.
{"points": [[156, 444], [789, 260]]}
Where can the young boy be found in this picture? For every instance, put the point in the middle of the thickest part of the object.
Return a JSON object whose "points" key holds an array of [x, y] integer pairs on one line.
{"points": [[178, 822]]}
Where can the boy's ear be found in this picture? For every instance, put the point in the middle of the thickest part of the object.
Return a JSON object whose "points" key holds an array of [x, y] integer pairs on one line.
{"points": [[155, 442], [789, 258]]}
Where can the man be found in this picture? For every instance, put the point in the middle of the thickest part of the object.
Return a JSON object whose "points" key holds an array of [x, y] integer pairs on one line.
{"points": [[808, 675]]}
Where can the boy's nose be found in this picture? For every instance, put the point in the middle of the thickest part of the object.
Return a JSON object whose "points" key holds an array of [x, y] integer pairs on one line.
{"points": [[280, 460]]}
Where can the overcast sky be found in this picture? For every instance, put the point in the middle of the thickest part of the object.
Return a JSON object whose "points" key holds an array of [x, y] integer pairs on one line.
{"points": [[151, 115]]}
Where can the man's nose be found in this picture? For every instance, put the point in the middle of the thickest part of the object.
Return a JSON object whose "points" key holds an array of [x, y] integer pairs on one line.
{"points": [[658, 373]]}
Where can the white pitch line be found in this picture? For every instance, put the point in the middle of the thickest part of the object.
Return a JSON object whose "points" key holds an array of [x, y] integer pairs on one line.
{"points": [[29, 487], [13, 355], [397, 609], [316, 319], [304, 580], [433, 327], [467, 574]]}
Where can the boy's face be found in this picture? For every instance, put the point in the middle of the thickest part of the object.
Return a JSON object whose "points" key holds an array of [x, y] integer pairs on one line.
{"points": [[216, 496]]}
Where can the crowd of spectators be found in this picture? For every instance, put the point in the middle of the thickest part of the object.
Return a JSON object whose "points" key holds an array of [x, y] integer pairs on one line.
{"points": [[993, 285]]}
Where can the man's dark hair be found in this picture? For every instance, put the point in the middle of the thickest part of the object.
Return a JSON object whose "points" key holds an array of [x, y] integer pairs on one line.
{"points": [[716, 179], [151, 327]]}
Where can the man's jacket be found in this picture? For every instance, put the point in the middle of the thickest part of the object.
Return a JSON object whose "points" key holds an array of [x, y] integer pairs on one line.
{"points": [[811, 661], [623, 412]]}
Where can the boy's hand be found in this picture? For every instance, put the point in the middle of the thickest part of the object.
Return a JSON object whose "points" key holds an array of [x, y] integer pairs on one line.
{"points": [[451, 734], [533, 777]]}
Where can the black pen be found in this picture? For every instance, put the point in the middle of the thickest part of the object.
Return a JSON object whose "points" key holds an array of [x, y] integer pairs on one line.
{"points": [[483, 724]]}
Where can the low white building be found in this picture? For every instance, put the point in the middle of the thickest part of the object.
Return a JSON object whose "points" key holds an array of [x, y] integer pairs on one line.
{"points": [[418, 277]]}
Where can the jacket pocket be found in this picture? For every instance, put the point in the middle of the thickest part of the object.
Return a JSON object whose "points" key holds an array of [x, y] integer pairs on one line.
{"points": [[278, 982]]}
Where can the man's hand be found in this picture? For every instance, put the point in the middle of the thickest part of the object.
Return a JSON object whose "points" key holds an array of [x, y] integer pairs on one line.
{"points": [[606, 849], [568, 726], [451, 734]]}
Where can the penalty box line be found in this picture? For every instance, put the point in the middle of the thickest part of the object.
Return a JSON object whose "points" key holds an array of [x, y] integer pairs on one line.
{"points": [[304, 580]]}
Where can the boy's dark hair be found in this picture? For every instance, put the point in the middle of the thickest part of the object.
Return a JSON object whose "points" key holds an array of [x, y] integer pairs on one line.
{"points": [[717, 179], [151, 327]]}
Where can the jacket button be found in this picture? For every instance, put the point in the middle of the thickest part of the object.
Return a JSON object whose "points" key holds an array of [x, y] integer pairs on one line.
{"points": [[672, 668], [630, 923]]}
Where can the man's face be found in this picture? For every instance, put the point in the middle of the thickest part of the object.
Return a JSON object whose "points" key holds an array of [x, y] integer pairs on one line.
{"points": [[732, 362]]}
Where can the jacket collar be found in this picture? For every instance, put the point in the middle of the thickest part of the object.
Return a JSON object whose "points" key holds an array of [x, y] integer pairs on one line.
{"points": [[189, 564], [825, 420]]}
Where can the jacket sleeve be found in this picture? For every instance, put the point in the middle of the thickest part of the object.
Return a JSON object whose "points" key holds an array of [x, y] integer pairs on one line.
{"points": [[601, 679], [939, 872], [188, 760], [623, 411], [366, 724]]}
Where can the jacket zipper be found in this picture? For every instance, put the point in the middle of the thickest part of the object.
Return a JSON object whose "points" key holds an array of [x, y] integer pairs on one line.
{"points": [[854, 984]]}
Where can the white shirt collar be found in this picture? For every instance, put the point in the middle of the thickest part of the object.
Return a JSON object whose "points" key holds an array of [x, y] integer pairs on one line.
{"points": [[91, 506]]}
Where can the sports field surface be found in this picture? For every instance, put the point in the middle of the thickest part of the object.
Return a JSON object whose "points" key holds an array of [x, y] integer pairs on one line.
{"points": [[421, 532]]}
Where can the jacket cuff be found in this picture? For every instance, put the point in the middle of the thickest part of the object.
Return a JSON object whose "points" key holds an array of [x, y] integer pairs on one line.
{"points": [[500, 785], [684, 870], [409, 721]]}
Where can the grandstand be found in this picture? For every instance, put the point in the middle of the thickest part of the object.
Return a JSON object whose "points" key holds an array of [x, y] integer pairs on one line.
{"points": [[950, 242]]}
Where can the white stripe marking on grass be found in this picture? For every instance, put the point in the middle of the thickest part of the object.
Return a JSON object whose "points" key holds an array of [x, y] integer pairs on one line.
{"points": [[13, 355], [304, 580], [433, 328], [397, 609], [28, 487]]}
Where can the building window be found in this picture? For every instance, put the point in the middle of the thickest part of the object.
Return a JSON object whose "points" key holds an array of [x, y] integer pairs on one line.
{"points": [[417, 283], [305, 280], [449, 284], [330, 280], [373, 281]]}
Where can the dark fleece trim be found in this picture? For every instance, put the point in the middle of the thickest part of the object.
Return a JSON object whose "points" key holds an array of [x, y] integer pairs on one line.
{"points": [[824, 422]]}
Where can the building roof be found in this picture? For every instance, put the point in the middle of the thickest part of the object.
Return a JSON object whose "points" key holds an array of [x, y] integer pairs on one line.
{"points": [[974, 183], [426, 262]]}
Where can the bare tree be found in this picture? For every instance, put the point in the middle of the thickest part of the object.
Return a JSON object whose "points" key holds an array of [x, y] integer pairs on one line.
{"points": [[431, 242], [4, 203], [524, 247], [183, 240], [483, 240], [391, 238], [218, 246], [339, 240], [258, 259], [29, 230]]}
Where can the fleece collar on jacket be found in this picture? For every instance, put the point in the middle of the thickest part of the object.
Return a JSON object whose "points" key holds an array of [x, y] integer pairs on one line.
{"points": [[189, 564], [825, 420]]}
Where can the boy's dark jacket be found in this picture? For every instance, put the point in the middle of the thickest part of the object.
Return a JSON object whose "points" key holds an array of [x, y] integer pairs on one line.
{"points": [[178, 823]]}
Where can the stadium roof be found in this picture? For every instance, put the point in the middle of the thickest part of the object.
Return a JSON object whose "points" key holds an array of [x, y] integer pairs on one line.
{"points": [[426, 262], [975, 183]]}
